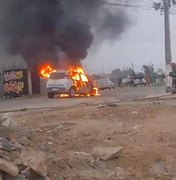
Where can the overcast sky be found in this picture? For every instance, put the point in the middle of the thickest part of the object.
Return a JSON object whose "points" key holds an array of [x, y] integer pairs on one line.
{"points": [[142, 43]]}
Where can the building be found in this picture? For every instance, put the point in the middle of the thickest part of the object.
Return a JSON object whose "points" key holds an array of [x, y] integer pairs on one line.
{"points": [[9, 62]]}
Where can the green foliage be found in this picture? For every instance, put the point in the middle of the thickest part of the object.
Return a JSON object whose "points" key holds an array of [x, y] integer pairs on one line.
{"points": [[148, 70]]}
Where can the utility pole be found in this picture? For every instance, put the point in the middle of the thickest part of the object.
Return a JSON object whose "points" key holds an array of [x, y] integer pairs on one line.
{"points": [[168, 55], [165, 8]]}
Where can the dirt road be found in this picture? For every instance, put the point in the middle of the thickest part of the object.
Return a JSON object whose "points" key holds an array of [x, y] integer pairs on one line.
{"points": [[69, 129], [106, 96], [146, 130]]}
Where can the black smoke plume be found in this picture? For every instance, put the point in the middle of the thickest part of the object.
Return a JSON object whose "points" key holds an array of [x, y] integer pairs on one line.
{"points": [[39, 29]]}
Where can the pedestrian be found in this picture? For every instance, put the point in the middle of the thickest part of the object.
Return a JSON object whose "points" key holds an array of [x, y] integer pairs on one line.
{"points": [[120, 82], [173, 75]]}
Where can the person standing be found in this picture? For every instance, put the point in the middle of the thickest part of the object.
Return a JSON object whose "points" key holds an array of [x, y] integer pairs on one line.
{"points": [[119, 82], [173, 75]]}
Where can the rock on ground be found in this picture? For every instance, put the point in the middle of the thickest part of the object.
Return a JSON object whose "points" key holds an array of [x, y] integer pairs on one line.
{"points": [[24, 140], [6, 116], [5, 132], [7, 120], [19, 177], [8, 167], [34, 159], [26, 172], [5, 155], [106, 153], [84, 166], [122, 174], [81, 161], [158, 169], [17, 162], [18, 146], [31, 175], [6, 145]]}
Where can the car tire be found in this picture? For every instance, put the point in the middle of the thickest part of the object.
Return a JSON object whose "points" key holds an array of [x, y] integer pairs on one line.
{"points": [[50, 95], [72, 92]]}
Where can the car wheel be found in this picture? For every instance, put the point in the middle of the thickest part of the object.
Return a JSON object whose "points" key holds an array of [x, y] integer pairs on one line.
{"points": [[72, 92], [50, 95]]}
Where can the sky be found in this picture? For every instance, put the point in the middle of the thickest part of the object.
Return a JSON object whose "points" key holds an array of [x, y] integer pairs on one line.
{"points": [[142, 43]]}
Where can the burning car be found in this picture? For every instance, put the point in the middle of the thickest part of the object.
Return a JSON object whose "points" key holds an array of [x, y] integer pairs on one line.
{"points": [[70, 82]]}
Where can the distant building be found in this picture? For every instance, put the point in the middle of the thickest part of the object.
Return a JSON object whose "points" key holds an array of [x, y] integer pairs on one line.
{"points": [[9, 62]]}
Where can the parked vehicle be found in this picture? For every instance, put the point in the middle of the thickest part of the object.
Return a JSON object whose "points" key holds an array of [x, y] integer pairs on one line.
{"points": [[140, 82], [61, 82], [106, 83], [125, 82]]}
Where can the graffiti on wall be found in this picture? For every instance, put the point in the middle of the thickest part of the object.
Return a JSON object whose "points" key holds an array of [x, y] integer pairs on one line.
{"points": [[15, 82]]}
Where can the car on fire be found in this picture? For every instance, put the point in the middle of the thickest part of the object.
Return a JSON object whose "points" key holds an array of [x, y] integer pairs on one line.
{"points": [[70, 83]]}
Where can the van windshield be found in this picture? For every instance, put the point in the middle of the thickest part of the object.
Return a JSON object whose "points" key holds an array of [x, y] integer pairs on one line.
{"points": [[58, 75]]}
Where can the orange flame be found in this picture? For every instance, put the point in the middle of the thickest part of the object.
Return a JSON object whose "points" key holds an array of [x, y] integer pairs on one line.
{"points": [[96, 91], [46, 70], [78, 74]]}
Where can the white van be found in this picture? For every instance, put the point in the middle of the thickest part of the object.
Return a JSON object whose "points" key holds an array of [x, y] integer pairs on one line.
{"points": [[60, 82], [105, 83]]}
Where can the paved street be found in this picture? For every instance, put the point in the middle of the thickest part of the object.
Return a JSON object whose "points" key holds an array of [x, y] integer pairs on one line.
{"points": [[106, 96]]}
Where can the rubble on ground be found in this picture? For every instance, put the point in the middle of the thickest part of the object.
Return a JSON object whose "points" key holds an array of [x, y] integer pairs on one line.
{"points": [[17, 160], [86, 166], [158, 169], [7, 120], [106, 153], [97, 143], [34, 159]]}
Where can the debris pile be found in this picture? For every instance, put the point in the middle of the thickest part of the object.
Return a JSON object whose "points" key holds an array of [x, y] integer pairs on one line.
{"points": [[93, 165], [20, 160], [17, 160]]}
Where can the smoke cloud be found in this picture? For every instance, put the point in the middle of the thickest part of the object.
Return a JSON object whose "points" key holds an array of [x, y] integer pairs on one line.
{"points": [[39, 29]]}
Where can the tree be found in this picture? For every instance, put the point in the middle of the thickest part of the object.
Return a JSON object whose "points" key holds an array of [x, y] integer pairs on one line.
{"points": [[149, 73], [116, 73], [126, 72], [148, 70]]}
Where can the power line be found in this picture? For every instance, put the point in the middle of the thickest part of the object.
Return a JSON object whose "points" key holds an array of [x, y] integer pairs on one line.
{"points": [[143, 4], [127, 5]]}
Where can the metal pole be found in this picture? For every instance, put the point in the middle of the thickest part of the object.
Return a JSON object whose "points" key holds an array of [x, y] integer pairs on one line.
{"points": [[29, 82], [168, 56]]}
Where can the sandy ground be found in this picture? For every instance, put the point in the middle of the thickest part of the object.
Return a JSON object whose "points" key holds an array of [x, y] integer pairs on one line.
{"points": [[145, 129]]}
